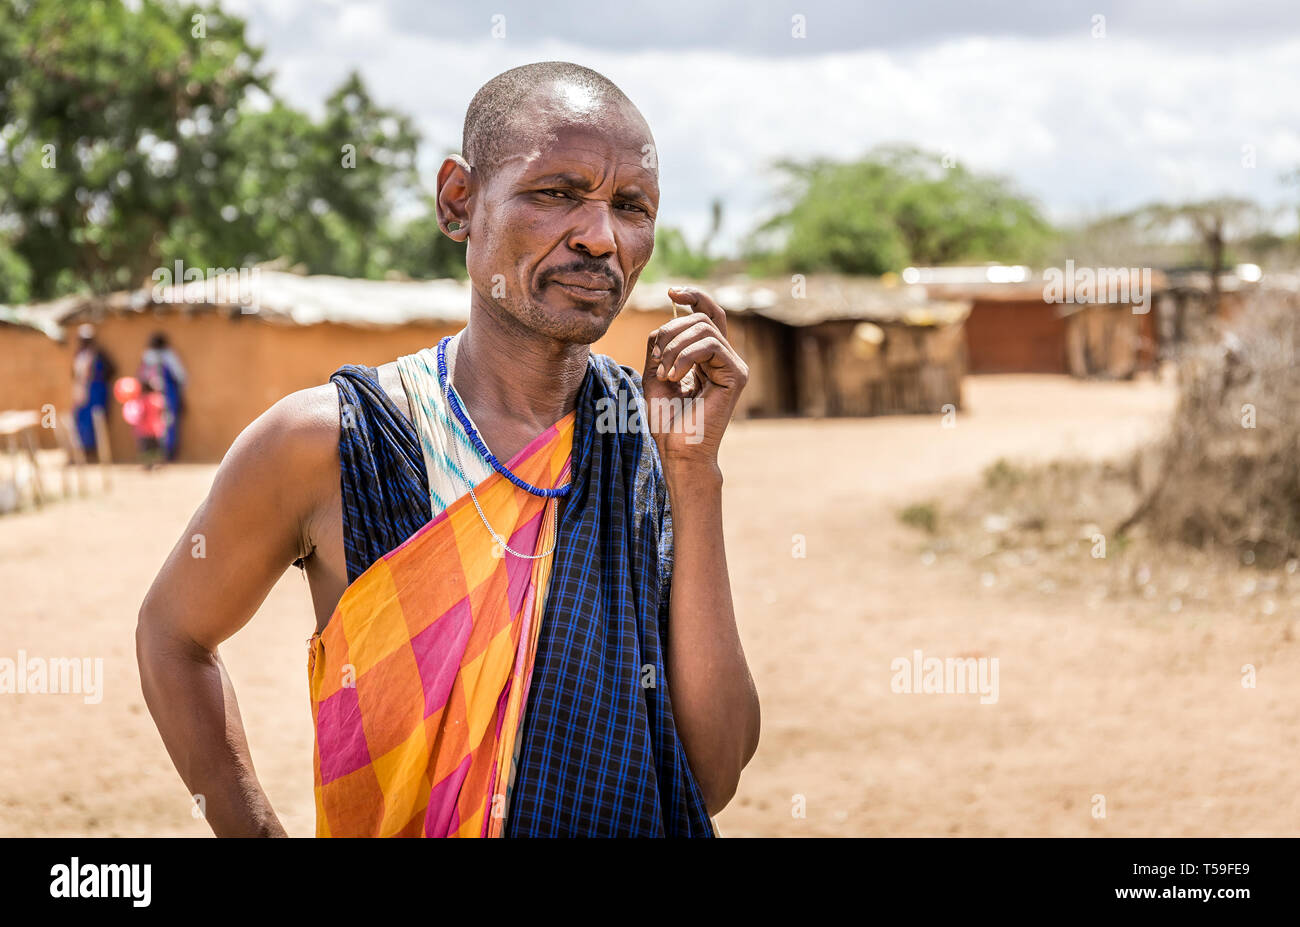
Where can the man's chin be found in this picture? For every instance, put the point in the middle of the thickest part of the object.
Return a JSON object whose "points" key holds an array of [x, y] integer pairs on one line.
{"points": [[576, 322]]}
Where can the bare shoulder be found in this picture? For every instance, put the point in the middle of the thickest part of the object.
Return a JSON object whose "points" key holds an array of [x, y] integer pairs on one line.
{"points": [[276, 478], [295, 443], [304, 423]]}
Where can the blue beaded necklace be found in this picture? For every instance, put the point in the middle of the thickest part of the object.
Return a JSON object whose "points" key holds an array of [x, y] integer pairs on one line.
{"points": [[454, 401]]}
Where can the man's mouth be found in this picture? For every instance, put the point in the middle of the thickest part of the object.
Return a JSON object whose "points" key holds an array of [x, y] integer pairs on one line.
{"points": [[585, 287]]}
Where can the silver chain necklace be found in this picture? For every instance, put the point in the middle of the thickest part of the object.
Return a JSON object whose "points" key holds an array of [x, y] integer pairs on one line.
{"points": [[455, 449]]}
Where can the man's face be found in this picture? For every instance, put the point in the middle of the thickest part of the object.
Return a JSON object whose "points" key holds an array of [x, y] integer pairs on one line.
{"points": [[565, 225]]}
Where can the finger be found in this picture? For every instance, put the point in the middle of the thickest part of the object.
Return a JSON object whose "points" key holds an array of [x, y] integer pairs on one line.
{"points": [[674, 327], [700, 301], [696, 332], [717, 361], [652, 354], [664, 334], [695, 352]]}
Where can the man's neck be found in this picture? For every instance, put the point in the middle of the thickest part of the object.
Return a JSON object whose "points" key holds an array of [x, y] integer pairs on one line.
{"points": [[513, 378]]}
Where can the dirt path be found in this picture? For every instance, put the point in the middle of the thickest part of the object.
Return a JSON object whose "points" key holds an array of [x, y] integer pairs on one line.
{"points": [[1139, 706]]}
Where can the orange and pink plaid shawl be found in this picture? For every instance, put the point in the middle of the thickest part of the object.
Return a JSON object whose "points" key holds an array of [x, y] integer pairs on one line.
{"points": [[420, 678]]}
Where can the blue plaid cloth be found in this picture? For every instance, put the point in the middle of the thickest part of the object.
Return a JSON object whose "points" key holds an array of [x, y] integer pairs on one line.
{"points": [[385, 487], [600, 755]]}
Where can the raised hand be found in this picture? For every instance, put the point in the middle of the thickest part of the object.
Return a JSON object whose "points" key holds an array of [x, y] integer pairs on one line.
{"points": [[692, 380]]}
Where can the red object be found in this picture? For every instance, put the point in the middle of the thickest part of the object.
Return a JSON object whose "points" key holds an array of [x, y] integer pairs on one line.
{"points": [[146, 415], [126, 389]]}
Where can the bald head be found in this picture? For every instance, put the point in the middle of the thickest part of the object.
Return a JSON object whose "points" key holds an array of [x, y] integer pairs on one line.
{"points": [[554, 195], [504, 113]]}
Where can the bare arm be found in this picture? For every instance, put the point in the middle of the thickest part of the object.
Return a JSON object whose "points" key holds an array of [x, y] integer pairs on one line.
{"points": [[238, 543], [715, 704]]}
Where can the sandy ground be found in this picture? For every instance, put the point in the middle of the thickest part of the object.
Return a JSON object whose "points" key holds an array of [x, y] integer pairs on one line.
{"points": [[1133, 704]]}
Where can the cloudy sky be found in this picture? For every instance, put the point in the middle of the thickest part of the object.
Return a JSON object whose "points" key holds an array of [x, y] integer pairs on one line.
{"points": [[1158, 100]]}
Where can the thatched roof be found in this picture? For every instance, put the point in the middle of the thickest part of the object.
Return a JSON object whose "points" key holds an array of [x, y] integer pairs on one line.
{"points": [[1033, 288], [1198, 281], [819, 298], [285, 298], [42, 317], [293, 299]]}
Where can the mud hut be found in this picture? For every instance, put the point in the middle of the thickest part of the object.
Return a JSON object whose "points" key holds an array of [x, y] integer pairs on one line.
{"points": [[828, 345], [820, 346], [247, 342], [1021, 325]]}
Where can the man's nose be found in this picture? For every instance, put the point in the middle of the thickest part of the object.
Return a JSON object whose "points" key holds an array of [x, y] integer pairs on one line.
{"points": [[594, 232]]}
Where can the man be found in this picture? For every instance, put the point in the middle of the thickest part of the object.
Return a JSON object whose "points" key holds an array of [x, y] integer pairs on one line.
{"points": [[544, 646], [160, 366], [92, 370]]}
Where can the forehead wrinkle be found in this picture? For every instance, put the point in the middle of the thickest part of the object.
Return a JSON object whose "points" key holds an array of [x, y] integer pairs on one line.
{"points": [[592, 159], [596, 148], [641, 182], [521, 160], [592, 168]]}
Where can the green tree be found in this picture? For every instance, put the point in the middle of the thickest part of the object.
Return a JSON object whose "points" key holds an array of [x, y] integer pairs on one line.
{"points": [[15, 276], [674, 257], [132, 136], [899, 205], [317, 194], [114, 124], [418, 248]]}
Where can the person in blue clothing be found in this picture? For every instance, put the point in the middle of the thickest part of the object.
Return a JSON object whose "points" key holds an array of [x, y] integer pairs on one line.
{"points": [[92, 371], [161, 368]]}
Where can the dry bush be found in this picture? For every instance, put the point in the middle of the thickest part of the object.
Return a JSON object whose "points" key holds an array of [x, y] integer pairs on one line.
{"points": [[1229, 469], [1225, 478]]}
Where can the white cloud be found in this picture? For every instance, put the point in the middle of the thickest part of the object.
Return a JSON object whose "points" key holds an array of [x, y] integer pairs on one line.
{"points": [[1077, 122]]}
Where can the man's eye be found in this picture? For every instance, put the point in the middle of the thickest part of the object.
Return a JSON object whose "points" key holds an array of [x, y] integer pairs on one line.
{"points": [[632, 206], [555, 193]]}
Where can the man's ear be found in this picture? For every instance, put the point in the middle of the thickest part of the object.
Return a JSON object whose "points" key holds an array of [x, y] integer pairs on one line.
{"points": [[455, 187]]}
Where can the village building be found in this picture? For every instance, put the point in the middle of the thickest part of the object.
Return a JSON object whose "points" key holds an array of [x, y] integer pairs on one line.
{"points": [[816, 346], [830, 345], [1103, 324]]}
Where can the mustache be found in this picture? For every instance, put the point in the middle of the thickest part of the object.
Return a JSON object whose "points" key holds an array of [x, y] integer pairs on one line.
{"points": [[596, 268]]}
